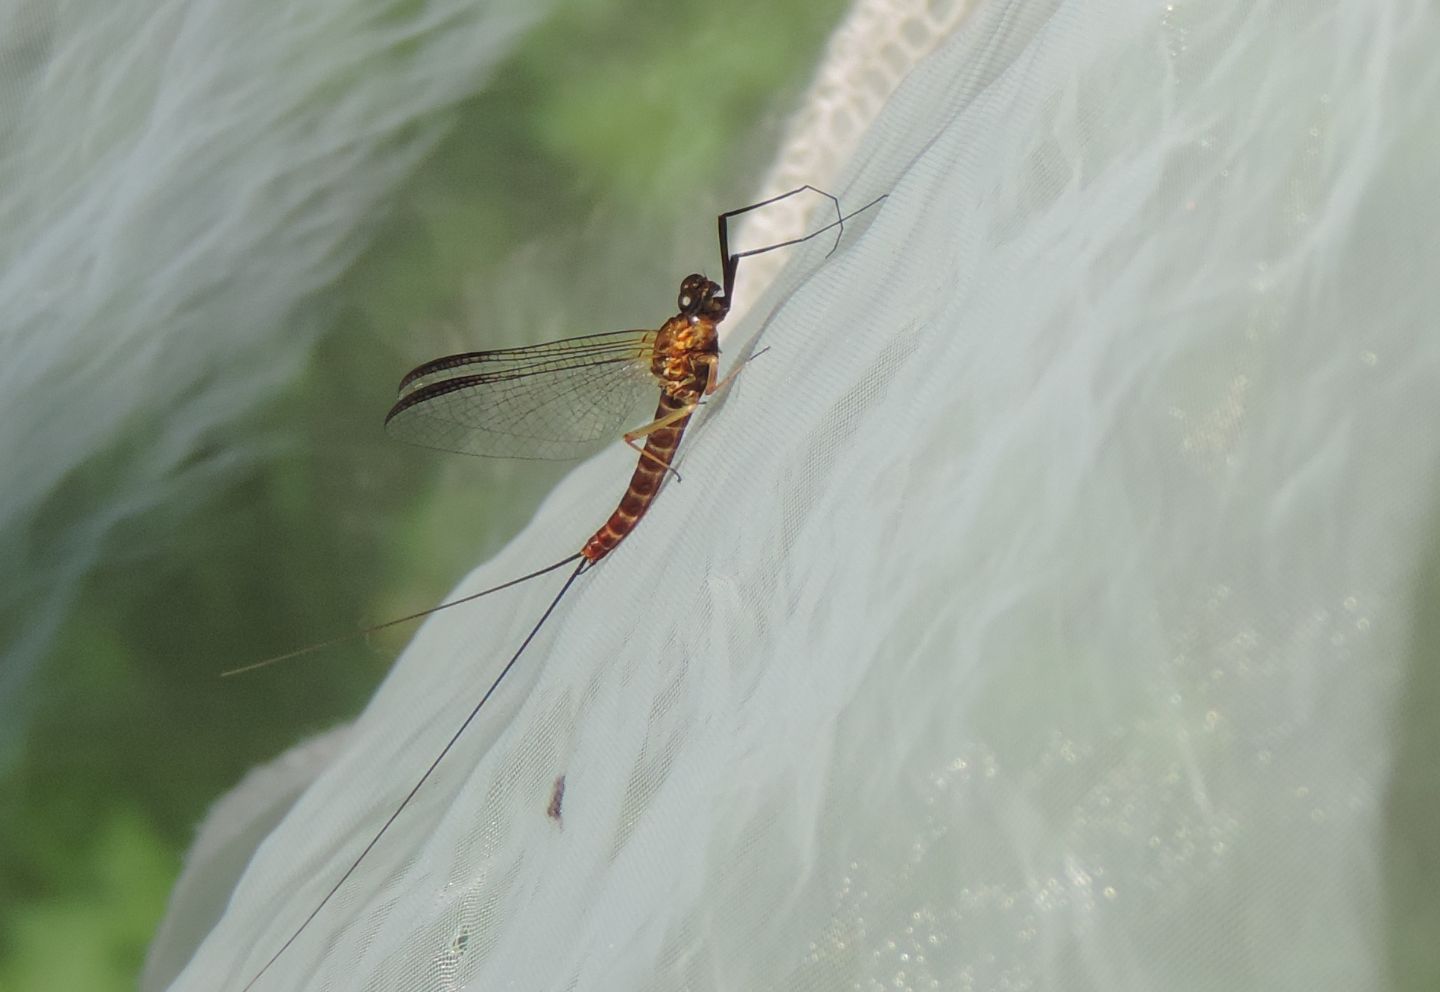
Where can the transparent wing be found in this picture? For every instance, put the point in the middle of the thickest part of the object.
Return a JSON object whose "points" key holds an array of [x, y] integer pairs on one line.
{"points": [[561, 399]]}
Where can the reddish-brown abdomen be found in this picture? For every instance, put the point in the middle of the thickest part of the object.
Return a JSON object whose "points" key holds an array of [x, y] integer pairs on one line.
{"points": [[660, 448]]}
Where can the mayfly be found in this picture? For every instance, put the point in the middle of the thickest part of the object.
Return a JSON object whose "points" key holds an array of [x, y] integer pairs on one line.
{"points": [[558, 400]]}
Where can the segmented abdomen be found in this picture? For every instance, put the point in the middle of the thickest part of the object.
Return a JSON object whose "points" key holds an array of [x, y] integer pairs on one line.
{"points": [[660, 447]]}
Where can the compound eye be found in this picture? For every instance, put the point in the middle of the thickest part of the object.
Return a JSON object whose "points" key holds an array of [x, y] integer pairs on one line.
{"points": [[692, 292]]}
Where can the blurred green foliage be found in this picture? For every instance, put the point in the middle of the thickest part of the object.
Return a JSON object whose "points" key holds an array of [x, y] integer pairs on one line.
{"points": [[661, 114]]}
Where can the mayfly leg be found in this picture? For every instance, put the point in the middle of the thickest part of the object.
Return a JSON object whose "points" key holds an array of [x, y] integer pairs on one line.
{"points": [[730, 261]]}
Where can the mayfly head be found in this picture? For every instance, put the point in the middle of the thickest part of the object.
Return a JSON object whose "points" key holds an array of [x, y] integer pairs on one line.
{"points": [[700, 297]]}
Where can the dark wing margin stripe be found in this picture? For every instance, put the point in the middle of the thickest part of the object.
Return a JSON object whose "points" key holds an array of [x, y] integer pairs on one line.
{"points": [[636, 343], [446, 386]]}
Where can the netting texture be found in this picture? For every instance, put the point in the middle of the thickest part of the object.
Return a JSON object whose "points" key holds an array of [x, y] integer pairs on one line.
{"points": [[1035, 613], [210, 171]]}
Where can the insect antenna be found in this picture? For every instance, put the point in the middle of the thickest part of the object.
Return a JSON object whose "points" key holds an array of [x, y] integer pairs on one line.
{"points": [[355, 635], [474, 712]]}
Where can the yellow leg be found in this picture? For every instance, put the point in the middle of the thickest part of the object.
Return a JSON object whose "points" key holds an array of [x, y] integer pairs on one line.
{"points": [[658, 424], [714, 387]]}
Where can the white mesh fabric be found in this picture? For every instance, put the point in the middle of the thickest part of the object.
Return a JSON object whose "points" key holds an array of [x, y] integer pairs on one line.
{"points": [[152, 194], [867, 57], [232, 830], [1033, 614]]}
